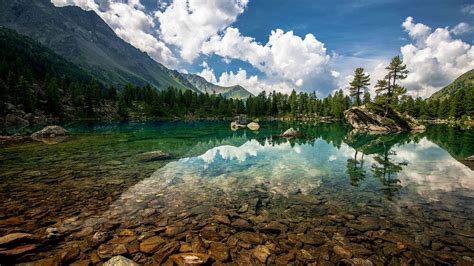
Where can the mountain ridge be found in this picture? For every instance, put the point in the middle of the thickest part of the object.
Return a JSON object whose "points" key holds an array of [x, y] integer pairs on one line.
{"points": [[205, 86], [83, 38]]}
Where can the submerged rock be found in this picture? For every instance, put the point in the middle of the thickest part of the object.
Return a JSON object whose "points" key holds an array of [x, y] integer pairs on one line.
{"points": [[190, 259], [120, 261], [261, 253], [236, 125], [289, 133], [49, 132], [373, 117], [253, 126], [14, 237], [153, 156], [18, 250]]}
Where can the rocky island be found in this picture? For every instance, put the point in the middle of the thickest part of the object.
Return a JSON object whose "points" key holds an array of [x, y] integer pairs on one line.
{"points": [[373, 117]]}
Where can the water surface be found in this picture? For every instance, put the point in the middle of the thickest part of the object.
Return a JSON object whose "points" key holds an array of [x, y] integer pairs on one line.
{"points": [[249, 197]]}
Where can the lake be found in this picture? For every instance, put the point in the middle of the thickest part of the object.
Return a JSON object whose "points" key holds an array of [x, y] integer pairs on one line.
{"points": [[244, 197]]}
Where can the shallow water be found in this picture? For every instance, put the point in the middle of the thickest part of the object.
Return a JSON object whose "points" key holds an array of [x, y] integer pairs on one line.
{"points": [[245, 197]]}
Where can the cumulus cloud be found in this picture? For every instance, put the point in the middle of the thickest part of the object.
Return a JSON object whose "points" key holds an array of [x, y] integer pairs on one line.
{"points": [[131, 23], [435, 59], [187, 24], [207, 73], [461, 28], [286, 58]]}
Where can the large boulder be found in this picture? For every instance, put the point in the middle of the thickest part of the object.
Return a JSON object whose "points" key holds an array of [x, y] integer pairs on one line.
{"points": [[373, 117], [289, 133], [253, 126], [49, 132], [236, 125], [15, 120]]}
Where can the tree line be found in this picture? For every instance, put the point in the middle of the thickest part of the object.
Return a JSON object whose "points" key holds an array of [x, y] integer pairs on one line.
{"points": [[390, 94], [36, 80]]}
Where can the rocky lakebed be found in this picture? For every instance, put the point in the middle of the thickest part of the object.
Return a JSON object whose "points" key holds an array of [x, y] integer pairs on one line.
{"points": [[197, 193]]}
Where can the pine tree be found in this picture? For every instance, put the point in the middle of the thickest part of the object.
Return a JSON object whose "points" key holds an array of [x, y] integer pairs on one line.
{"points": [[360, 81], [396, 71], [366, 98], [53, 98]]}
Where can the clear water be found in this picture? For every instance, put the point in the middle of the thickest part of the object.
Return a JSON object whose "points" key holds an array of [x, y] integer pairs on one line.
{"points": [[387, 199]]}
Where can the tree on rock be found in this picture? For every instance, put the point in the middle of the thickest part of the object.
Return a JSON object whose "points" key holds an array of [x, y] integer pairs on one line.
{"points": [[360, 81], [388, 90]]}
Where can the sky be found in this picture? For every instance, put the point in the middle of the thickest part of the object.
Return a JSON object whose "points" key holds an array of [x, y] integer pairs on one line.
{"points": [[305, 45]]}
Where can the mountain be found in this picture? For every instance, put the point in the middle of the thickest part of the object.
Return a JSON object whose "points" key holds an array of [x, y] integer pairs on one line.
{"points": [[83, 38], [465, 81], [205, 86]]}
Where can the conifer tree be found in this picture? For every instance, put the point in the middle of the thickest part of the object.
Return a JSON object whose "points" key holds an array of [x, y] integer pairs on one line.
{"points": [[360, 81]]}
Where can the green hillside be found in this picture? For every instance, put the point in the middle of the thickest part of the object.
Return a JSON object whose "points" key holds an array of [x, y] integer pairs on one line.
{"points": [[463, 82], [83, 38]]}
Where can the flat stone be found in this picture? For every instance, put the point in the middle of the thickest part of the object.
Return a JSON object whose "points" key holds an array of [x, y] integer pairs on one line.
{"points": [[219, 251], [69, 254], [125, 232], [13, 221], [120, 261], [311, 238], [174, 230], [7, 239], [286, 258], [153, 156], [152, 244], [342, 252], [242, 225], [168, 249], [224, 219], [261, 253], [250, 237], [190, 259], [106, 251], [197, 245], [274, 227], [18, 250], [185, 248]]}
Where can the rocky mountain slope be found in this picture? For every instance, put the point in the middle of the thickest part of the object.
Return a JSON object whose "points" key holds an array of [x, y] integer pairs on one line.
{"points": [[205, 86], [83, 38]]}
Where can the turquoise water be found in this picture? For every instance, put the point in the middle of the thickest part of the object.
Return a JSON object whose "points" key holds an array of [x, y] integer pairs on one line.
{"points": [[385, 198]]}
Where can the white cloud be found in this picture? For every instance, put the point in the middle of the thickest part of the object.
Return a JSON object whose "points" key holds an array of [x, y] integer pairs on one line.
{"points": [[461, 28], [187, 24], [435, 59], [207, 73], [130, 22], [285, 58], [468, 9]]}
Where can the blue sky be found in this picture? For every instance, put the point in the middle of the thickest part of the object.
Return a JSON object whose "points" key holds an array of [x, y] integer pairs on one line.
{"points": [[227, 41]]}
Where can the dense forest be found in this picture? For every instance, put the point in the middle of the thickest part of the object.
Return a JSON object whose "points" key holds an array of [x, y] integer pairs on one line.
{"points": [[35, 80]]}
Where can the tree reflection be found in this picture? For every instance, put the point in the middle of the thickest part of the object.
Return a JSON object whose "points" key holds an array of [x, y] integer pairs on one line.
{"points": [[385, 168], [355, 169]]}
